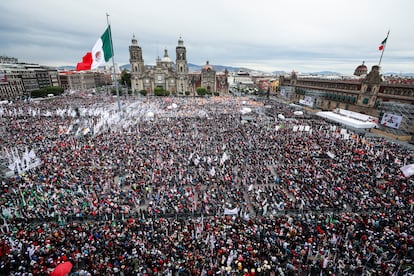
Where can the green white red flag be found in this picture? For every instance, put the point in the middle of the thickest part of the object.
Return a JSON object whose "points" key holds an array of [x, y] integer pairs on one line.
{"points": [[382, 45], [101, 53]]}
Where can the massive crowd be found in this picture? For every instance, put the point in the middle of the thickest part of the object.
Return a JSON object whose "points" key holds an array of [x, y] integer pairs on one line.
{"points": [[199, 187]]}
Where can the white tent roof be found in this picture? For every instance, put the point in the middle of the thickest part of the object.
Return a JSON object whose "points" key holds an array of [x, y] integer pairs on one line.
{"points": [[345, 120]]}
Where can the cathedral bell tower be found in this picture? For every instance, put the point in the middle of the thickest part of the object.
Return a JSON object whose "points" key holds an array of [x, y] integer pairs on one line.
{"points": [[370, 88], [137, 64], [181, 67]]}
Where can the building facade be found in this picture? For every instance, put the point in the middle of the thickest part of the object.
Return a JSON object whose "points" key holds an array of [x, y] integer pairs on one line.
{"points": [[369, 95], [172, 77], [19, 80], [164, 74], [208, 78], [82, 80], [182, 82], [11, 85]]}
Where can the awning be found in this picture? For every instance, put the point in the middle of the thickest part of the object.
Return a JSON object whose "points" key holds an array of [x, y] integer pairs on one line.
{"points": [[345, 120]]}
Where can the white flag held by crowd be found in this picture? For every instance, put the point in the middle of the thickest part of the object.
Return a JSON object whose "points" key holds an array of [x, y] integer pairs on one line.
{"points": [[224, 158], [212, 172], [330, 154], [408, 170], [22, 162], [233, 211]]}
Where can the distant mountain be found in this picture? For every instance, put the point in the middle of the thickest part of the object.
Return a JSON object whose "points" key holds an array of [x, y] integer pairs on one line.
{"points": [[278, 73], [220, 68], [66, 68], [197, 68], [324, 73], [125, 67], [194, 67], [399, 74]]}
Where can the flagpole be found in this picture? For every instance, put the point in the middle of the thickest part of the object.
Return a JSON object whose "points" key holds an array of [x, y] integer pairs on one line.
{"points": [[113, 64], [383, 50]]}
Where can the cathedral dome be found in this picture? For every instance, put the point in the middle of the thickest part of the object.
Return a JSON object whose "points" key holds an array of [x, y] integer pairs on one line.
{"points": [[361, 70], [207, 67], [166, 58]]}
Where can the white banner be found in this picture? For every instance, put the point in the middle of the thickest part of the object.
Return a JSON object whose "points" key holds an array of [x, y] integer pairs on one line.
{"points": [[233, 211], [408, 170], [391, 120], [308, 101]]}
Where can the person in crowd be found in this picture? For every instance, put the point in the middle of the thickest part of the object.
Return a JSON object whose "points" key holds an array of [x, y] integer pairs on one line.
{"points": [[180, 186]]}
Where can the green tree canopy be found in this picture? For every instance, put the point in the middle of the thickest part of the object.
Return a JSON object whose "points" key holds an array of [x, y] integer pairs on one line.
{"points": [[160, 91], [201, 91], [56, 91], [126, 78]]}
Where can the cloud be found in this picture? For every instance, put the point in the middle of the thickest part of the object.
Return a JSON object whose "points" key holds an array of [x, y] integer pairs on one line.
{"points": [[300, 35]]}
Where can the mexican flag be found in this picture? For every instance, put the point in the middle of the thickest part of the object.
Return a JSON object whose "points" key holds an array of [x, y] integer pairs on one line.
{"points": [[382, 45], [101, 53]]}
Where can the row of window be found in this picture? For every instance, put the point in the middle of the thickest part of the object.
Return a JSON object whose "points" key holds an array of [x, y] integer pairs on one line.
{"points": [[341, 98], [399, 92], [8, 92], [331, 85], [406, 92]]}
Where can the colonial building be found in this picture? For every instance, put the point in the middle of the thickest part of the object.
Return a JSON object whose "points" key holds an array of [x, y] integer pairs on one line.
{"points": [[182, 81], [163, 74], [19, 80], [361, 70], [208, 78], [222, 83], [241, 81], [174, 78], [11, 85], [83, 80], [369, 94]]}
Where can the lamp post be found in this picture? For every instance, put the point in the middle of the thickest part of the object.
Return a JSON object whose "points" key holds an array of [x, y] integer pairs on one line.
{"points": [[126, 90]]}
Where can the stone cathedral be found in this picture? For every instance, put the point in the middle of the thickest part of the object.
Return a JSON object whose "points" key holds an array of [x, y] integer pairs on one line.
{"points": [[164, 74]]}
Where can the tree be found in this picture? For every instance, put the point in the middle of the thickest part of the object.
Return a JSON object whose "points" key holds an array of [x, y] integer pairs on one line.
{"points": [[201, 91], [126, 78], [143, 92], [44, 92], [160, 91]]}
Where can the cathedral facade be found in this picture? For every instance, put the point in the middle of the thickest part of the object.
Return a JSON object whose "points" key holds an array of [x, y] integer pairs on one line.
{"points": [[174, 78], [165, 74]]}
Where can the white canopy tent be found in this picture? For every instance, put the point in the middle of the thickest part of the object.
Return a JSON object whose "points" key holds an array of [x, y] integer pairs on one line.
{"points": [[339, 118]]}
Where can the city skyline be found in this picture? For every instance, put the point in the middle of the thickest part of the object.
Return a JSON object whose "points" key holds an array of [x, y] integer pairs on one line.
{"points": [[304, 36]]}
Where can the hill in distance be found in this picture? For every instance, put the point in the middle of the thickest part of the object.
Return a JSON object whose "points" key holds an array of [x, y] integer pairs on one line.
{"points": [[66, 68], [196, 68], [220, 68]]}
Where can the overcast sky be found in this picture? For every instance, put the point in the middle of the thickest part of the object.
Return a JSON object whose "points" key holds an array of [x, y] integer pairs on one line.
{"points": [[305, 36]]}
